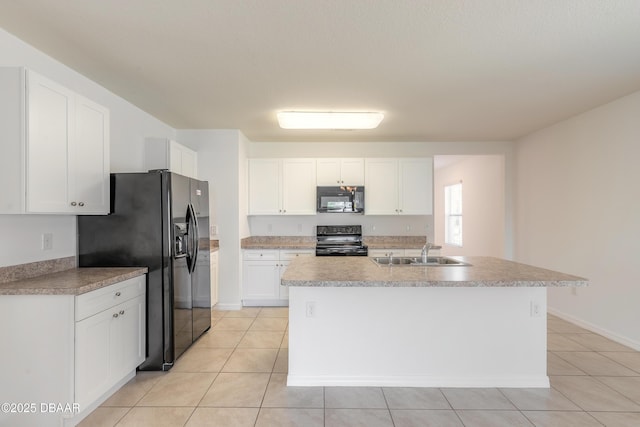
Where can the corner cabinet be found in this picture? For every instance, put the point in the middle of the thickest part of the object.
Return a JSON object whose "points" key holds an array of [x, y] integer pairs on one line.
{"points": [[399, 186], [55, 147], [162, 153], [282, 186]]}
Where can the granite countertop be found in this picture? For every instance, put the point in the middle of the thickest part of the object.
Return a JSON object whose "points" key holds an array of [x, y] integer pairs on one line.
{"points": [[278, 242], [74, 281], [309, 242], [363, 272]]}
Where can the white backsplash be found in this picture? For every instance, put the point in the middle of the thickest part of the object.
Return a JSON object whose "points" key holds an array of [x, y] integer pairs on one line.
{"points": [[376, 225]]}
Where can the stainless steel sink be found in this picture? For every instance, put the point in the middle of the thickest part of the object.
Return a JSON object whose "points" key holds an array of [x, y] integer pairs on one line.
{"points": [[432, 261]]}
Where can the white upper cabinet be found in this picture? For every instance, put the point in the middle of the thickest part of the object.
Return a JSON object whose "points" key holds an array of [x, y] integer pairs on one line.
{"points": [[381, 187], [55, 146], [163, 153], [299, 186], [348, 171], [282, 186], [265, 187], [399, 186]]}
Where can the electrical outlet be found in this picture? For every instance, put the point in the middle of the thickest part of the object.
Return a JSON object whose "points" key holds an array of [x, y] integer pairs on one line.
{"points": [[269, 228], [574, 291], [408, 228], [299, 228], [536, 311], [311, 309], [47, 241], [214, 230]]}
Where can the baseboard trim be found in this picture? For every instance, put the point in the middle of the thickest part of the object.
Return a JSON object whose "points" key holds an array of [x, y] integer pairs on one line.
{"points": [[541, 381], [596, 329], [219, 306]]}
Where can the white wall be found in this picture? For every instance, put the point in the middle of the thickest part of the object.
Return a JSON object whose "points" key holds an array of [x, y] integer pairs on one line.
{"points": [[578, 211], [21, 234], [222, 162], [483, 204]]}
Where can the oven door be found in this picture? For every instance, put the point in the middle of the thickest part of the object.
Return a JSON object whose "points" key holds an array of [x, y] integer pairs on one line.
{"points": [[342, 251]]}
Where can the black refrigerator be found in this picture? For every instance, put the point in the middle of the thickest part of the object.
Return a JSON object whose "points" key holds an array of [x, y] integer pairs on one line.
{"points": [[160, 220]]}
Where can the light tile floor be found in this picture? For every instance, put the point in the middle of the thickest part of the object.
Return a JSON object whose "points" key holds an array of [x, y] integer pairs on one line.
{"points": [[235, 375]]}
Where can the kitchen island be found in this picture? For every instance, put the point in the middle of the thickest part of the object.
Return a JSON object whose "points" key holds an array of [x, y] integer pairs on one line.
{"points": [[355, 323]]}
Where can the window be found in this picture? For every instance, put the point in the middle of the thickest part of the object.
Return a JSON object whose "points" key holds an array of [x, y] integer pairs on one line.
{"points": [[453, 214]]}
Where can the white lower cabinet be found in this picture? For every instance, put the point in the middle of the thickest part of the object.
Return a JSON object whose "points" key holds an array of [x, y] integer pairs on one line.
{"points": [[69, 350], [109, 345], [262, 270], [214, 278]]}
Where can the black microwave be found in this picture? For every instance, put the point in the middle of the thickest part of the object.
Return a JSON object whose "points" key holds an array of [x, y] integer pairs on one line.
{"points": [[343, 199]]}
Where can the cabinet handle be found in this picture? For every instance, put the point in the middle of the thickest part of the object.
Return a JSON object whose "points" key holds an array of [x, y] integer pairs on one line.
{"points": [[73, 203], [81, 204], [121, 312], [115, 315], [284, 210], [118, 294], [338, 181], [400, 210]]}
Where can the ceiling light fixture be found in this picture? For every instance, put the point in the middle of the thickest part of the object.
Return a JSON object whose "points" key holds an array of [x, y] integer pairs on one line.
{"points": [[329, 120]]}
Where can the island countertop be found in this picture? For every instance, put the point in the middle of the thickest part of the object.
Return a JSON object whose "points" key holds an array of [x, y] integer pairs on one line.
{"points": [[363, 272]]}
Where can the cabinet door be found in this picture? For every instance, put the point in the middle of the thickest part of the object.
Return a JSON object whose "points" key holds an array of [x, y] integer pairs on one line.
{"points": [[175, 158], [50, 111], [327, 172], [381, 187], [299, 187], [283, 290], [261, 280], [415, 186], [127, 337], [89, 186], [352, 171], [264, 187], [214, 278], [189, 163], [93, 357]]}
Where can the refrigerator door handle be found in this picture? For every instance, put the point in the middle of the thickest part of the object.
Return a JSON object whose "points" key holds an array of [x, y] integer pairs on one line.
{"points": [[192, 255], [196, 238]]}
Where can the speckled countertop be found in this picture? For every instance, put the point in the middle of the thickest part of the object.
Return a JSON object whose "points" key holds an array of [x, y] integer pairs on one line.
{"points": [[278, 242], [309, 242], [74, 281], [363, 272]]}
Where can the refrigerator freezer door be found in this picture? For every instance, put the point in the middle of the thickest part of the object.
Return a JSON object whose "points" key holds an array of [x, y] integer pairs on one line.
{"points": [[201, 277]]}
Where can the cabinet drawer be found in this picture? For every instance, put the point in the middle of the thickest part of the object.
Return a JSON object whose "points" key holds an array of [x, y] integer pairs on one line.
{"points": [[288, 255], [101, 299], [266, 255]]}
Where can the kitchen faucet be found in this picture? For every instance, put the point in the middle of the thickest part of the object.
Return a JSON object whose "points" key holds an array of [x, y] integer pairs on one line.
{"points": [[425, 251]]}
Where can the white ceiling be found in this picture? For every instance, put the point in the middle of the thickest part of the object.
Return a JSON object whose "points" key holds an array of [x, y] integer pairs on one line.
{"points": [[439, 69]]}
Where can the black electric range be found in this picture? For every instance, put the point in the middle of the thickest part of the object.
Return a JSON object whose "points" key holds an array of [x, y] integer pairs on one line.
{"points": [[340, 240]]}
